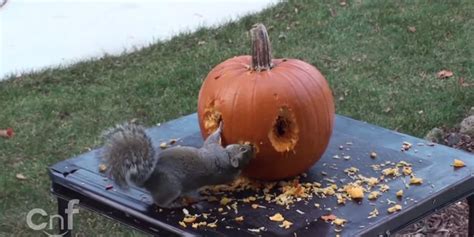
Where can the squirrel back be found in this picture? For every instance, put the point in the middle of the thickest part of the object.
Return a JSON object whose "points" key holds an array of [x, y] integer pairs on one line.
{"points": [[175, 172], [129, 154]]}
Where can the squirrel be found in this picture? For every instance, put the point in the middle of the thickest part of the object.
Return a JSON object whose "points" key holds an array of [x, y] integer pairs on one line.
{"points": [[174, 173]]}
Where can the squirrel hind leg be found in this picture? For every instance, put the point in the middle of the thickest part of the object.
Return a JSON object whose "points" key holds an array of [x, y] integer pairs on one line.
{"points": [[168, 199], [192, 197]]}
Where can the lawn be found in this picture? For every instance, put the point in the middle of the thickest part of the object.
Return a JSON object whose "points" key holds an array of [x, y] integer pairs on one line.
{"points": [[381, 70]]}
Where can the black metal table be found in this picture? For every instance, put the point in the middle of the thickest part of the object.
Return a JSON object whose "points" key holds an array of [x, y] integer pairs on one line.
{"points": [[79, 178]]}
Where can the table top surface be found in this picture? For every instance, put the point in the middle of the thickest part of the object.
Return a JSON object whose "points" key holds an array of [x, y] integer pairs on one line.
{"points": [[442, 184]]}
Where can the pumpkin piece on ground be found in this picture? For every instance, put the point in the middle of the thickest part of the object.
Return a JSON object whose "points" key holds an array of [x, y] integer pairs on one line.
{"points": [[277, 217], [458, 163], [394, 208]]}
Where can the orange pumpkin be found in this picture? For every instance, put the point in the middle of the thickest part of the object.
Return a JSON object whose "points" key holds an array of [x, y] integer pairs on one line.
{"points": [[284, 107]]}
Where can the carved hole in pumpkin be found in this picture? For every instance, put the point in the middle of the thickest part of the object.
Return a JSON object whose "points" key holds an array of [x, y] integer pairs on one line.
{"points": [[284, 132], [212, 118]]}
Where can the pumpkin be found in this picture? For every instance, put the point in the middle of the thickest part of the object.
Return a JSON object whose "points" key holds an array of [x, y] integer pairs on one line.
{"points": [[284, 107]]}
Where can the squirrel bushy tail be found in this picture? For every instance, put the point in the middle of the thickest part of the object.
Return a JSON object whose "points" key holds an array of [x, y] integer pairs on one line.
{"points": [[129, 154]]}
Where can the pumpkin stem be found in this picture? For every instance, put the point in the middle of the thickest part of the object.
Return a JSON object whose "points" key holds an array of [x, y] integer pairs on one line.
{"points": [[261, 48]]}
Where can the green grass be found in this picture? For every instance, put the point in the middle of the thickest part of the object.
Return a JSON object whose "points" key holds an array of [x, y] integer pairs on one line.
{"points": [[364, 50]]}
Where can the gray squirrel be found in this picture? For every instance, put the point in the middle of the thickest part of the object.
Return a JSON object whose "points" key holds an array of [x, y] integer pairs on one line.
{"points": [[175, 172]]}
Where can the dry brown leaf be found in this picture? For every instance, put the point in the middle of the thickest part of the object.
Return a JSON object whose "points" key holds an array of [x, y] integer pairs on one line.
{"points": [[444, 74], [20, 176], [462, 82], [102, 168], [239, 218]]}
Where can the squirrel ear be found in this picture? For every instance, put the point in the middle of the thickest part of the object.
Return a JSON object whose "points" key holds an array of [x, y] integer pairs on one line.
{"points": [[234, 161]]}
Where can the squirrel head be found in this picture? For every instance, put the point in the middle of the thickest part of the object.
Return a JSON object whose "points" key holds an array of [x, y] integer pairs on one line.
{"points": [[240, 154]]}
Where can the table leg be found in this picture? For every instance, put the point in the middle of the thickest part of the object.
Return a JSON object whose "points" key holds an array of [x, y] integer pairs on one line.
{"points": [[63, 227], [470, 202]]}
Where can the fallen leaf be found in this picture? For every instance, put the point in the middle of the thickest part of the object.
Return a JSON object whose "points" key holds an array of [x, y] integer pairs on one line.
{"points": [[412, 29], [462, 82], [20, 176], [102, 168], [239, 218], [444, 74]]}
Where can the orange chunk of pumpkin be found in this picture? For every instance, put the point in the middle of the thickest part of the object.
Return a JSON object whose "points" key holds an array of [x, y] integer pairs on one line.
{"points": [[354, 191], [400, 193], [189, 219], [407, 170], [286, 224], [277, 217], [415, 180], [458, 163], [373, 195], [394, 208], [339, 221]]}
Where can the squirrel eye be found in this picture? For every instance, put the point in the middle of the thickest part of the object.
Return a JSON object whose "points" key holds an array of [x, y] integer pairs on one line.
{"points": [[242, 149]]}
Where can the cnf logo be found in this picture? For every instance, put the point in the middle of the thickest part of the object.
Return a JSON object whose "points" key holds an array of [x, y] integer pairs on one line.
{"points": [[70, 211]]}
